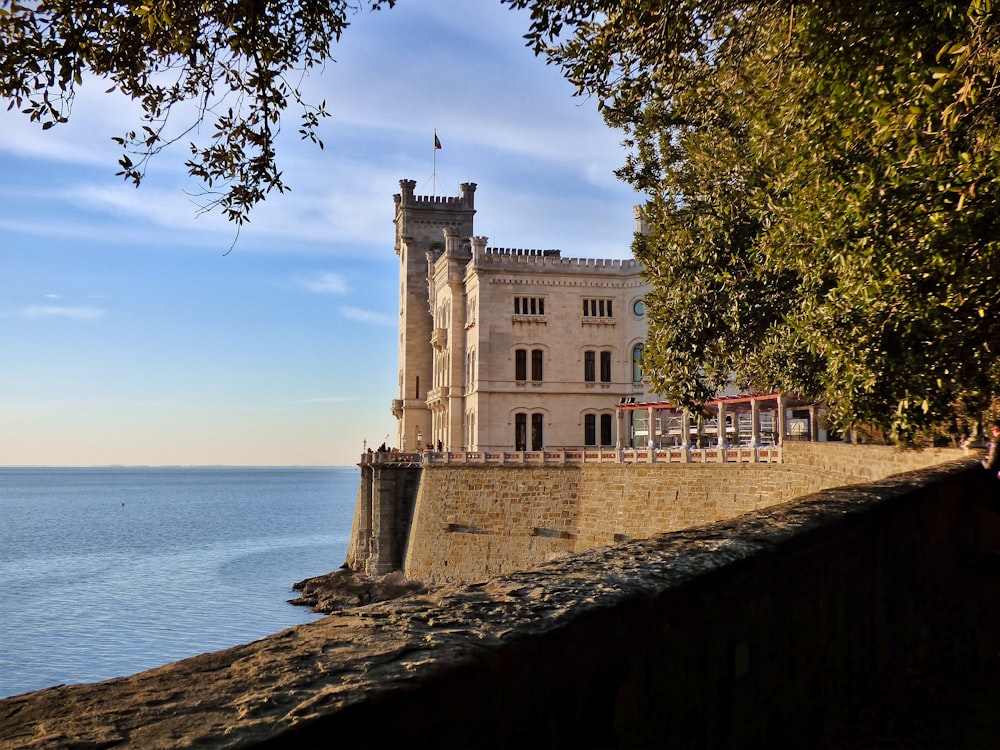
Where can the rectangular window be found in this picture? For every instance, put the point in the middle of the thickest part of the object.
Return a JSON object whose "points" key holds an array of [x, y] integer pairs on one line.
{"points": [[598, 308], [529, 305], [589, 368], [605, 367], [589, 430], [536, 432], [520, 432], [520, 364], [605, 429], [536, 364]]}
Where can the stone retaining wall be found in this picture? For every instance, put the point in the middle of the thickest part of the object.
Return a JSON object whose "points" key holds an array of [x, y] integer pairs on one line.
{"points": [[475, 522], [863, 463]]}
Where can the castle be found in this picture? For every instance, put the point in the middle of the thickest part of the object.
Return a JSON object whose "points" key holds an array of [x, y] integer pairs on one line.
{"points": [[503, 349]]}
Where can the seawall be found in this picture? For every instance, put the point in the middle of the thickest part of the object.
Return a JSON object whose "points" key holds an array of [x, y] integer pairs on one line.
{"points": [[760, 631], [445, 522]]}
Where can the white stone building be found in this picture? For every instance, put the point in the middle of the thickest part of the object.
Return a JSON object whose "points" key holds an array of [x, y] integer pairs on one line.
{"points": [[505, 349]]}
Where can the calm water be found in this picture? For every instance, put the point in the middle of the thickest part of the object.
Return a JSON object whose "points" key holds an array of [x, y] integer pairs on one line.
{"points": [[106, 572]]}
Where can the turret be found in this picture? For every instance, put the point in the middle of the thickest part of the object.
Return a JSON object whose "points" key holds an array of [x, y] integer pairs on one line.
{"points": [[426, 226]]}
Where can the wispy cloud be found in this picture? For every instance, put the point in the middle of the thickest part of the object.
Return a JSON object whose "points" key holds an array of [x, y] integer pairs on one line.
{"points": [[325, 282], [81, 314], [367, 316]]}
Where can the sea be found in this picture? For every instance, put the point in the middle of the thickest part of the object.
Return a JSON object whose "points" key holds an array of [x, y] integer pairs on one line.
{"points": [[105, 572]]}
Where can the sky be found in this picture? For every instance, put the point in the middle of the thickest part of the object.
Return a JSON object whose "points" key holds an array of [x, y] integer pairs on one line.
{"points": [[128, 335]]}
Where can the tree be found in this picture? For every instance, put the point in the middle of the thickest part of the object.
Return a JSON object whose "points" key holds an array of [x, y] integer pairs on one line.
{"points": [[823, 184], [237, 63]]}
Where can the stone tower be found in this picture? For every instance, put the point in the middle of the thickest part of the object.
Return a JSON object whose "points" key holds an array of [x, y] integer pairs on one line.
{"points": [[421, 222]]}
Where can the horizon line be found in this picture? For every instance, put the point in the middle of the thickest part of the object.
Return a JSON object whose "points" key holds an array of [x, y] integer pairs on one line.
{"points": [[176, 466]]}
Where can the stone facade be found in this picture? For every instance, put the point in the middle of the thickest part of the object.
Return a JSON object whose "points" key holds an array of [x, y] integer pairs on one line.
{"points": [[504, 349]]}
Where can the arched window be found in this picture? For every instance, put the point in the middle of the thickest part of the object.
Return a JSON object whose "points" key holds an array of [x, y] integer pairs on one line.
{"points": [[637, 363], [537, 440], [536, 367], [520, 431]]}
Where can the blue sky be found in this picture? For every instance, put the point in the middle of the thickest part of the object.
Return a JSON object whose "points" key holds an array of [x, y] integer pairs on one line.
{"points": [[128, 336]]}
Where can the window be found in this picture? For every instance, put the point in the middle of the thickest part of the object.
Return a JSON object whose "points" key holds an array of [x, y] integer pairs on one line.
{"points": [[590, 366], [521, 364], [536, 364], [521, 432], [529, 305], [536, 432], [637, 363], [605, 367], [639, 308], [590, 430], [597, 308]]}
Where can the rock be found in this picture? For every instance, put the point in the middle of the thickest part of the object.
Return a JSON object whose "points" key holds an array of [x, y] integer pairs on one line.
{"points": [[345, 589]]}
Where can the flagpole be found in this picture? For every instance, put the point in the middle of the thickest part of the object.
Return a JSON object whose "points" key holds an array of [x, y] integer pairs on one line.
{"points": [[434, 154]]}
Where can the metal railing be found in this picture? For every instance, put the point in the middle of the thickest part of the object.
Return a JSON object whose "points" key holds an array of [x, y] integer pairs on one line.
{"points": [[743, 454]]}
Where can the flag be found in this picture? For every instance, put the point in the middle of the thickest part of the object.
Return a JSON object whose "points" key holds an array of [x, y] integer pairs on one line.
{"points": [[437, 143]]}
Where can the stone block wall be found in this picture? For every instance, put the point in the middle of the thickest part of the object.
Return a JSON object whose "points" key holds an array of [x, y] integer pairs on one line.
{"points": [[863, 462], [474, 522]]}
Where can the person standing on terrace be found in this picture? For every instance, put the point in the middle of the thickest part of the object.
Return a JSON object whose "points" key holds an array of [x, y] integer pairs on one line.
{"points": [[992, 459]]}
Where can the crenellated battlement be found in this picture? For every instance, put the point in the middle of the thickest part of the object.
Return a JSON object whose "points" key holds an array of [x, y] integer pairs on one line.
{"points": [[407, 198], [443, 199], [504, 257], [518, 251]]}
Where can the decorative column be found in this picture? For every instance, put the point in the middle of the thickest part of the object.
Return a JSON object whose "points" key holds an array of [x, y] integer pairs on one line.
{"points": [[721, 436], [780, 419], [755, 422], [651, 431], [686, 435]]}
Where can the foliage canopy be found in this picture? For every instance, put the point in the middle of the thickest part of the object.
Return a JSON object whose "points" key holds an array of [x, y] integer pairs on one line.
{"points": [[823, 185], [238, 64]]}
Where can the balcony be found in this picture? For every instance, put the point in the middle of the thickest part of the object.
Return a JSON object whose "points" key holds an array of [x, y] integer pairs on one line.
{"points": [[439, 338]]}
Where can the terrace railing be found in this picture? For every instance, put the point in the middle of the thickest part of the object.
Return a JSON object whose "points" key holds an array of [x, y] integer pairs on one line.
{"points": [[742, 454]]}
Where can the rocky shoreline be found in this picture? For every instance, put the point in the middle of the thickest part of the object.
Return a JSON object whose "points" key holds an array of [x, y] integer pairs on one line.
{"points": [[345, 589]]}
